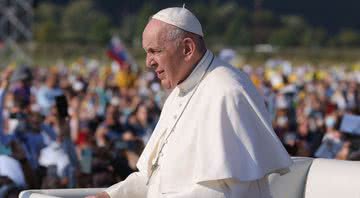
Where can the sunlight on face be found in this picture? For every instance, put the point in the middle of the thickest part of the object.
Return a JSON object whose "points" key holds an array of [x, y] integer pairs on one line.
{"points": [[162, 55]]}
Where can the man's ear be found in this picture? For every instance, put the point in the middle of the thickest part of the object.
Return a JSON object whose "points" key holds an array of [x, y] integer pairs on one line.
{"points": [[189, 48]]}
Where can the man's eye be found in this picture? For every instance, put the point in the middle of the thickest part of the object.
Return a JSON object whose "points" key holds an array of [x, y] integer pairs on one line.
{"points": [[153, 51]]}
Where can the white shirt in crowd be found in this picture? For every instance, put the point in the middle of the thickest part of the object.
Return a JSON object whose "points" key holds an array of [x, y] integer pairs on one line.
{"points": [[11, 168]]}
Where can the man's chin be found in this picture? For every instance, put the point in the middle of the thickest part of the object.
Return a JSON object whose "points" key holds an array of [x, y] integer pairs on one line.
{"points": [[166, 84]]}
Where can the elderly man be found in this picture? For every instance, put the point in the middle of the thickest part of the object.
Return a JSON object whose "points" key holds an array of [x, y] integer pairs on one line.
{"points": [[214, 137]]}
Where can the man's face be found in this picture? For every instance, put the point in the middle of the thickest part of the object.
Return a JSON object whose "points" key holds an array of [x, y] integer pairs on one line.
{"points": [[162, 54]]}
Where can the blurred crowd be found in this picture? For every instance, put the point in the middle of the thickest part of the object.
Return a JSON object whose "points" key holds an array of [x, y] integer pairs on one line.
{"points": [[112, 111], [315, 110]]}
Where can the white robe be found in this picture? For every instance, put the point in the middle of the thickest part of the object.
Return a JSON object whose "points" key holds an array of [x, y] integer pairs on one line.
{"points": [[217, 137]]}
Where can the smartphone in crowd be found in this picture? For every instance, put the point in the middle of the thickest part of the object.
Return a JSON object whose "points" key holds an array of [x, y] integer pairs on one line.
{"points": [[61, 106]]}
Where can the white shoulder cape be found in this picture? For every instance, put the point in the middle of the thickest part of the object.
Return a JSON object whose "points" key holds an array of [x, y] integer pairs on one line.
{"points": [[231, 134]]}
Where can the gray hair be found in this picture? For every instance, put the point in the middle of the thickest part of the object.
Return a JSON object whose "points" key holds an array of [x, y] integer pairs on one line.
{"points": [[176, 34]]}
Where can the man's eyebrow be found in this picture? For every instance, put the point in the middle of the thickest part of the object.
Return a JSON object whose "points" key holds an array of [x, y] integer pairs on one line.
{"points": [[148, 49], [148, 46], [152, 49]]}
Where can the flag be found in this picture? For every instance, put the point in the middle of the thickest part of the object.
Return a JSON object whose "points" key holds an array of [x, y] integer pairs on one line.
{"points": [[117, 52]]}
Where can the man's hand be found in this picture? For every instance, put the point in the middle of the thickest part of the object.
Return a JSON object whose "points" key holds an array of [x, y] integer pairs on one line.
{"points": [[7, 72], [100, 195], [5, 77]]}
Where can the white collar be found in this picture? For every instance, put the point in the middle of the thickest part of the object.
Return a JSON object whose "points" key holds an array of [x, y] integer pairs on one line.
{"points": [[194, 78]]}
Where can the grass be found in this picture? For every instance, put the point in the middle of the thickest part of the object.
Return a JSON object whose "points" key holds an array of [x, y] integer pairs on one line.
{"points": [[48, 54]]}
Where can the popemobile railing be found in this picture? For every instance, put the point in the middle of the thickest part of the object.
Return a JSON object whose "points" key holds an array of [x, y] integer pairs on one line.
{"points": [[307, 178]]}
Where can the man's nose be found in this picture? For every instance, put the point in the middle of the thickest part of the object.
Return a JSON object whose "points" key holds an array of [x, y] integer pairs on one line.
{"points": [[147, 60], [150, 62]]}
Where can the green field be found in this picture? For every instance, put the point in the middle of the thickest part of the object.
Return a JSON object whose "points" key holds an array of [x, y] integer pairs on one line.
{"points": [[49, 54]]}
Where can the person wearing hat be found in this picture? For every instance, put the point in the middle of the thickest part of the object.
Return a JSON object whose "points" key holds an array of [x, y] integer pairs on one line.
{"points": [[214, 137]]}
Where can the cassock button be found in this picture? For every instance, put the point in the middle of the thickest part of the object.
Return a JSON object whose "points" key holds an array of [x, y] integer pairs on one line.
{"points": [[175, 116]]}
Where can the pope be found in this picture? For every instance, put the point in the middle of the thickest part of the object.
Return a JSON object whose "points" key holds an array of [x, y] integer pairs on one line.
{"points": [[214, 137]]}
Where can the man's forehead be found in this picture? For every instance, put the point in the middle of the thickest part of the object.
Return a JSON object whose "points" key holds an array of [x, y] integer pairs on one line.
{"points": [[153, 33], [155, 26]]}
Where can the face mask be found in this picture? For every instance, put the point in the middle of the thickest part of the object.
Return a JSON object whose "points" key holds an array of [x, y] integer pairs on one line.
{"points": [[319, 122], [282, 121], [307, 110], [35, 108], [127, 111], [9, 104], [330, 122], [312, 125], [13, 123]]}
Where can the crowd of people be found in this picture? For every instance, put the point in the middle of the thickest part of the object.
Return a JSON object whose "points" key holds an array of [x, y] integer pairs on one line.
{"points": [[310, 107], [112, 111], [111, 115]]}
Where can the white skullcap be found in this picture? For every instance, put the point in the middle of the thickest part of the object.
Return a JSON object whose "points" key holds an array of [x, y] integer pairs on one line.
{"points": [[181, 18]]}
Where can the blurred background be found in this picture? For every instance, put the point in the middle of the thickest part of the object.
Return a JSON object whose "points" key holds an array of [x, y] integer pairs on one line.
{"points": [[77, 105]]}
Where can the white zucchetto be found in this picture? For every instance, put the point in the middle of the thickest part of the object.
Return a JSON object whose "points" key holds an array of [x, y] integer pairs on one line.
{"points": [[181, 18]]}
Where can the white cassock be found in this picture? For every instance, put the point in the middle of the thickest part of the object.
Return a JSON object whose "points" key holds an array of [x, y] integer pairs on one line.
{"points": [[214, 140]]}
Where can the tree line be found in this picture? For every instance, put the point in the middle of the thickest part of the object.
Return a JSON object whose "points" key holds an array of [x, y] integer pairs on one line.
{"points": [[229, 24]]}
